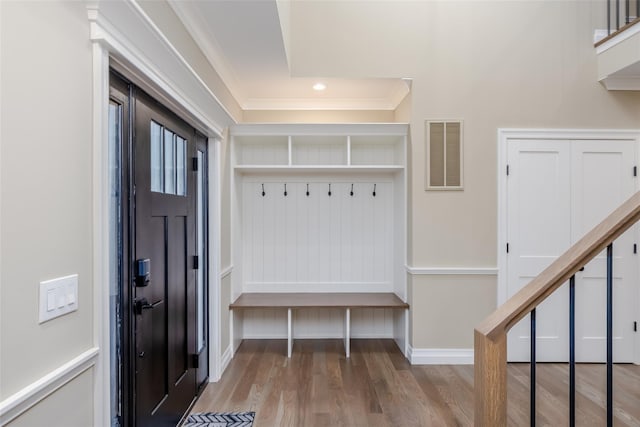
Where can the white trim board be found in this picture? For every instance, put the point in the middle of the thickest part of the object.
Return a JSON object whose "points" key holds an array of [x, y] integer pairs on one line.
{"points": [[568, 134], [214, 276], [440, 356], [226, 271], [224, 363], [20, 402], [453, 271], [621, 83], [102, 256]]}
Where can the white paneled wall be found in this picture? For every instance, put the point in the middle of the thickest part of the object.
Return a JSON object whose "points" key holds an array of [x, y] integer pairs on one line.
{"points": [[317, 243]]}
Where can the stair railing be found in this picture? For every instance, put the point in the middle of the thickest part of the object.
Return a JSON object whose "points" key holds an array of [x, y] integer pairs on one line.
{"points": [[621, 16], [490, 337]]}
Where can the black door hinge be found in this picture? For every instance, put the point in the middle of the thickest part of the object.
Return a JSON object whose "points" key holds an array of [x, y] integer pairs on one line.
{"points": [[195, 262], [194, 164], [635, 171], [507, 170], [195, 361], [635, 326], [635, 248], [507, 248]]}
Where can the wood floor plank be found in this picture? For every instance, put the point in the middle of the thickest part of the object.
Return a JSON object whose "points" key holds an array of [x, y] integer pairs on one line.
{"points": [[377, 387]]}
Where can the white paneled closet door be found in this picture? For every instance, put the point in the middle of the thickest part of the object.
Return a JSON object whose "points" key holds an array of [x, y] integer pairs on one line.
{"points": [[602, 179], [557, 191], [539, 230]]}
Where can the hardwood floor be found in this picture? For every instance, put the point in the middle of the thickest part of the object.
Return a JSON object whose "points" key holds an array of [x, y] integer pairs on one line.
{"points": [[378, 387]]}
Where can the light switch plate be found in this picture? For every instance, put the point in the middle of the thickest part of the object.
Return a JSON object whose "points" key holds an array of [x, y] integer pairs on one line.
{"points": [[58, 296]]}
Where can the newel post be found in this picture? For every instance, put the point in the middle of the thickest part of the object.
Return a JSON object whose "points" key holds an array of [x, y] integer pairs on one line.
{"points": [[490, 379]]}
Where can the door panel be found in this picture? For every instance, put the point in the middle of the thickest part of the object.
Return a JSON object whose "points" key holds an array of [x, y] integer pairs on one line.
{"points": [[165, 234], [538, 230], [602, 179], [557, 191]]}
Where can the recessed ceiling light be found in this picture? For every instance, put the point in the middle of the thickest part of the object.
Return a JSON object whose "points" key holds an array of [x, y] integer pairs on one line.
{"points": [[319, 86]]}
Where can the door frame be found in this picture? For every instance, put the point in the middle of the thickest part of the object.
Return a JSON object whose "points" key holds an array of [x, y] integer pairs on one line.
{"points": [[125, 38], [504, 136]]}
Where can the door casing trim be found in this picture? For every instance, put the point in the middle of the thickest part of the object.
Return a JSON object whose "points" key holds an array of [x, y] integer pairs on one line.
{"points": [[185, 93], [504, 136]]}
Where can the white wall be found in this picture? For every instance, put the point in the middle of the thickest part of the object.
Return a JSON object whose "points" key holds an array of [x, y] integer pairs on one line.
{"points": [[493, 64], [46, 194], [314, 116]]}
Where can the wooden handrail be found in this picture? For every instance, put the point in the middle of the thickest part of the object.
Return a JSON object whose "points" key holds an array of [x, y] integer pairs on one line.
{"points": [[490, 345]]}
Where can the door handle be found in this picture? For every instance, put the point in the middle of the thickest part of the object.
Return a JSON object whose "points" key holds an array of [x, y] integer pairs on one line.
{"points": [[141, 304]]}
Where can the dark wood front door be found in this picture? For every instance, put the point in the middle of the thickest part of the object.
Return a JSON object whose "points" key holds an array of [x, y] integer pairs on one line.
{"points": [[165, 264]]}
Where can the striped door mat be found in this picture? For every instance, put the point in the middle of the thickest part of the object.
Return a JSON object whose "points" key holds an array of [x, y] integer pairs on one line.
{"points": [[220, 419]]}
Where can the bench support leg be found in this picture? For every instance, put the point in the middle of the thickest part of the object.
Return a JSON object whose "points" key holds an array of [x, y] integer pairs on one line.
{"points": [[347, 332], [289, 333]]}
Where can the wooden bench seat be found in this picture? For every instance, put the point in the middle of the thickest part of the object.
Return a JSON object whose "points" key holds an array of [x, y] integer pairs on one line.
{"points": [[292, 301]]}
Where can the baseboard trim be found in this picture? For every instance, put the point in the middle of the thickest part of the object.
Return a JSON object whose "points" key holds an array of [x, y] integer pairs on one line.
{"points": [[226, 359], [20, 402], [441, 356]]}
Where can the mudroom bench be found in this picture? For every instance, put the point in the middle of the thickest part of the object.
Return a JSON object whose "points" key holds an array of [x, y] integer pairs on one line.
{"points": [[293, 301]]}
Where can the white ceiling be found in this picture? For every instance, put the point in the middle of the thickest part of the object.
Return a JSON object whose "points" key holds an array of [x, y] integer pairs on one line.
{"points": [[243, 41]]}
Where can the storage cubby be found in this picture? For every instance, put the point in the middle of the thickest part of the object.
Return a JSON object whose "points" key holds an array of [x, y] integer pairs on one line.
{"points": [[319, 209], [319, 150], [262, 150], [377, 150]]}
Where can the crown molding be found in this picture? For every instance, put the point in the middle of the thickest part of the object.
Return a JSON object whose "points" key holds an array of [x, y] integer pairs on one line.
{"points": [[209, 47]]}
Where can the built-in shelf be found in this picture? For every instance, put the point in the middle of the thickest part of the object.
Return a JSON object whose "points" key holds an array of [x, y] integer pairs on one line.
{"points": [[259, 169], [362, 148], [319, 208]]}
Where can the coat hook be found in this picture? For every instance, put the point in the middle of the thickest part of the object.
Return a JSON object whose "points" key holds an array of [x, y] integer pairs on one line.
{"points": [[285, 189], [329, 189], [307, 190], [263, 193], [374, 190], [351, 190]]}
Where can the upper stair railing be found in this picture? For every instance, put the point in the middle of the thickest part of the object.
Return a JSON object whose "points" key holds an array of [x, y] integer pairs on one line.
{"points": [[621, 14], [490, 369]]}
